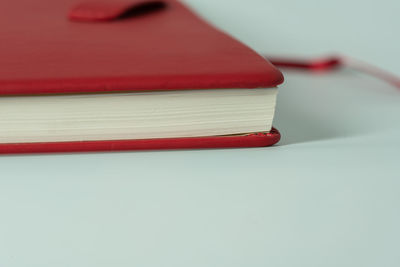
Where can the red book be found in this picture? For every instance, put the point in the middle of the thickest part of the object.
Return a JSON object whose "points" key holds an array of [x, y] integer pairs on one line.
{"points": [[55, 55]]}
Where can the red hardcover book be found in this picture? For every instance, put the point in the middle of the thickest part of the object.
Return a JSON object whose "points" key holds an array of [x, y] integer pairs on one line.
{"points": [[54, 48]]}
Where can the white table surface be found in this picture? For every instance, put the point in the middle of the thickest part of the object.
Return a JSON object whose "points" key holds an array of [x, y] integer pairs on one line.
{"points": [[328, 195]]}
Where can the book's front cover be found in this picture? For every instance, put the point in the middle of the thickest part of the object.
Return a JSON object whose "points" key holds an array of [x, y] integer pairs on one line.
{"points": [[42, 50]]}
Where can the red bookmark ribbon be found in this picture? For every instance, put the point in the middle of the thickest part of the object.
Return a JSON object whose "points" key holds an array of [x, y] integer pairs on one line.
{"points": [[336, 62]]}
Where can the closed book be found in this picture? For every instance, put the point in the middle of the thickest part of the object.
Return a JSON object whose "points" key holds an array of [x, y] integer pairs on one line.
{"points": [[127, 75]]}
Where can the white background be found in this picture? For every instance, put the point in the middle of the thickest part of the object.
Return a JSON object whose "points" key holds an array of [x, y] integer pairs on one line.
{"points": [[328, 195]]}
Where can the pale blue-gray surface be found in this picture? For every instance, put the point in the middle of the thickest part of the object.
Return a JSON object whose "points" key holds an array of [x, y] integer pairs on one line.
{"points": [[328, 195]]}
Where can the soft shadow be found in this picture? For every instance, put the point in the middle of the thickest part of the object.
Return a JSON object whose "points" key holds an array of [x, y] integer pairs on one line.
{"points": [[297, 125], [307, 105], [143, 9]]}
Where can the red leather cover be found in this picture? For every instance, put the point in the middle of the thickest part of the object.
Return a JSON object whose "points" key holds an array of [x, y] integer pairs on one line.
{"points": [[70, 46], [47, 47], [251, 140]]}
